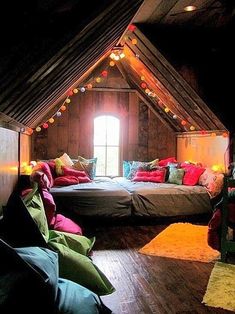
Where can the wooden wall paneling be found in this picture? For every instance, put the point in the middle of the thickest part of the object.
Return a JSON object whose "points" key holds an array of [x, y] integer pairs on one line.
{"points": [[152, 136], [73, 127], [85, 148], [9, 163], [53, 139], [24, 149], [142, 153], [40, 147], [62, 133], [133, 126]]}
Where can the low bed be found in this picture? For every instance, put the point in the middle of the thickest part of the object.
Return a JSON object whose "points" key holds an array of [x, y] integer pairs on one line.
{"points": [[119, 197], [101, 197], [166, 199]]}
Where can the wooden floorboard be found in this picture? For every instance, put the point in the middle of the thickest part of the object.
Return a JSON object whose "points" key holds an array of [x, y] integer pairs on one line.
{"points": [[147, 284]]}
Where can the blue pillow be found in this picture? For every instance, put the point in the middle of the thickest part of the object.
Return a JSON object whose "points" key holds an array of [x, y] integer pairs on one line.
{"points": [[75, 299], [126, 167]]}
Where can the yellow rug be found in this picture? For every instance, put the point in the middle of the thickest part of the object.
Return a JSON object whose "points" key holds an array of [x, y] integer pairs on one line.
{"points": [[220, 290], [182, 241]]}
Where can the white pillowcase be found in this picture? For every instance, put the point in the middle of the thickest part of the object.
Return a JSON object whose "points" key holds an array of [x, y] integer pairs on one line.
{"points": [[66, 160]]}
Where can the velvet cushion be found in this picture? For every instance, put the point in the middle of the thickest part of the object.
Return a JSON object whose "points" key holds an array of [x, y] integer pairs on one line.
{"points": [[192, 174], [176, 175], [61, 223], [157, 176], [164, 162], [65, 180]]}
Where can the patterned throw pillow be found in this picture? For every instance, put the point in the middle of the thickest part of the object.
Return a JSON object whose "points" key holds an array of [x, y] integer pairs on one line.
{"points": [[88, 165], [176, 175], [141, 165], [126, 167], [212, 181]]}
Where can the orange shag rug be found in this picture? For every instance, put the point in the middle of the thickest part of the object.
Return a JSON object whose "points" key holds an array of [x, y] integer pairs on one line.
{"points": [[182, 241]]}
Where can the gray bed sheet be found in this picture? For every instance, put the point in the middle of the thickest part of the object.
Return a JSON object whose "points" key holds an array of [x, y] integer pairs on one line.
{"points": [[166, 199], [102, 197]]}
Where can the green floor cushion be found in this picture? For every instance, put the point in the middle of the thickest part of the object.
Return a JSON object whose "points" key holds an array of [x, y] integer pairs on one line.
{"points": [[77, 243], [34, 204], [80, 269]]}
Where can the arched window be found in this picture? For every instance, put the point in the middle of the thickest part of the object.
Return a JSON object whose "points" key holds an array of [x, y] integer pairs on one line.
{"points": [[106, 145]]}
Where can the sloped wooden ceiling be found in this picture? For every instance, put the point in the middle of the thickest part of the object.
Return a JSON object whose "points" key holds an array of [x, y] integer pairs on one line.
{"points": [[30, 91], [160, 86]]}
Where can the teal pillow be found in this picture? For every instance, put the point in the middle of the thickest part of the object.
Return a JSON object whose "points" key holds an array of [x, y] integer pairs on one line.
{"points": [[75, 299], [176, 175], [126, 167]]}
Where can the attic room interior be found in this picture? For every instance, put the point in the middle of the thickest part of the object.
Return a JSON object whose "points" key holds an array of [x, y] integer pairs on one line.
{"points": [[117, 155]]}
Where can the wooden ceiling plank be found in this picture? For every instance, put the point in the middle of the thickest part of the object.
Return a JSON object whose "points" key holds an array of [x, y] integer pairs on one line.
{"points": [[133, 81], [89, 53], [178, 108], [197, 102]]}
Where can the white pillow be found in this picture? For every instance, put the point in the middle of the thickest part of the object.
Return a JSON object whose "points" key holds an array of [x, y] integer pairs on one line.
{"points": [[66, 160]]}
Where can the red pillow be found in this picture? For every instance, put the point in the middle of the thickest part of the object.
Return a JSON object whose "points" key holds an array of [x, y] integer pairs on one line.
{"points": [[164, 162], [157, 176], [72, 172], [192, 175], [66, 180], [84, 179]]}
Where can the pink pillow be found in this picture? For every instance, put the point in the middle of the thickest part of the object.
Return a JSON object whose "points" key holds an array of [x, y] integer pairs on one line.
{"points": [[66, 180], [164, 162], [192, 174], [62, 223], [72, 172], [44, 167], [49, 205], [157, 176], [41, 178]]}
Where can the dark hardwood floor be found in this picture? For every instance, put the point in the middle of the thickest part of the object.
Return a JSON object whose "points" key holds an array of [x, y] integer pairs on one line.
{"points": [[147, 284]]}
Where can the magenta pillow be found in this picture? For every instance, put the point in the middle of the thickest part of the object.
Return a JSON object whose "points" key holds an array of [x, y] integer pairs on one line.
{"points": [[157, 176], [44, 167], [62, 223], [66, 180], [72, 172], [41, 178], [164, 162], [51, 164], [192, 175], [49, 205]]}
